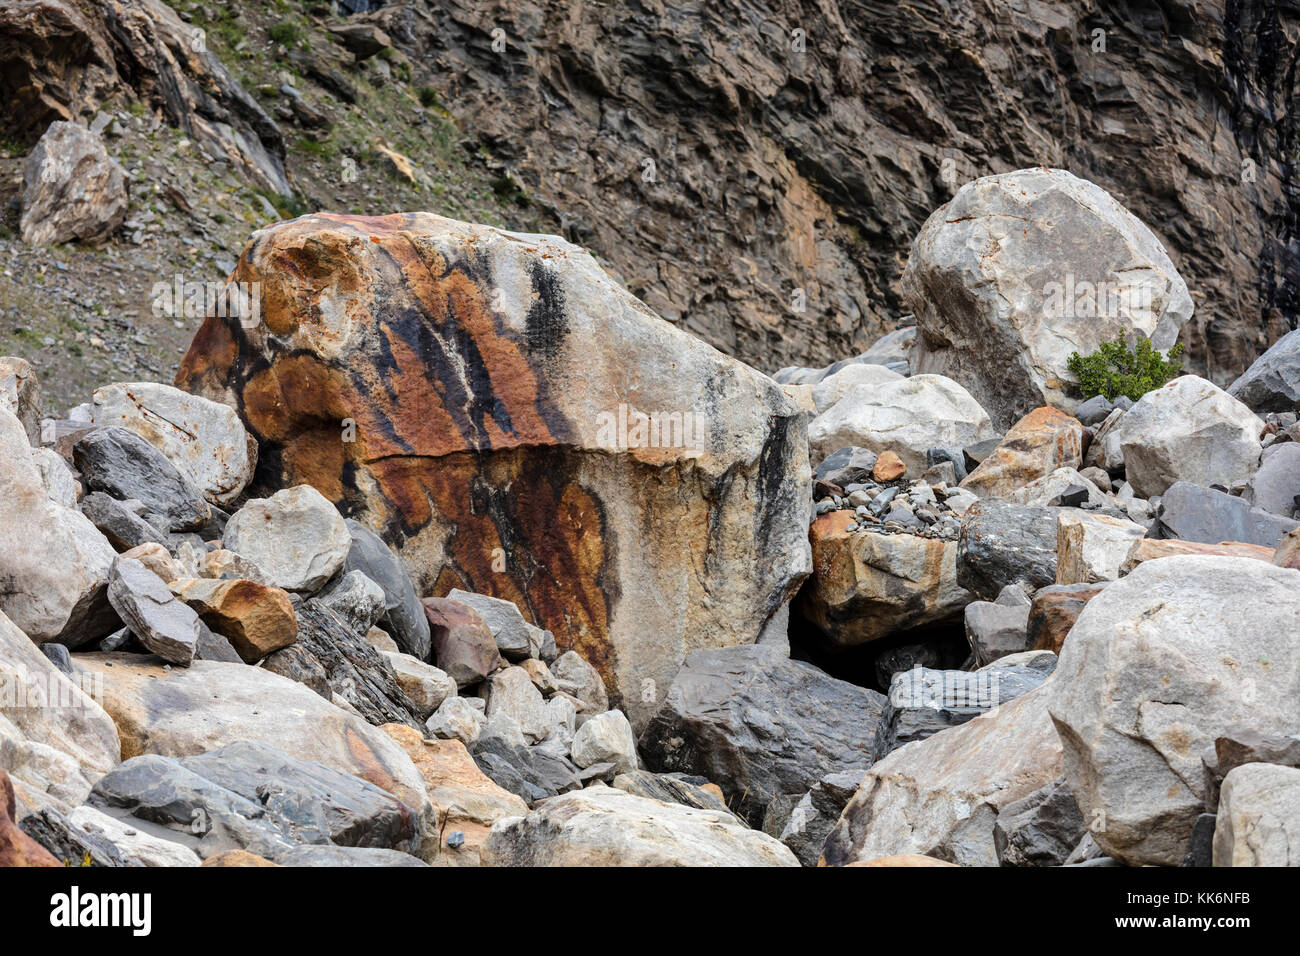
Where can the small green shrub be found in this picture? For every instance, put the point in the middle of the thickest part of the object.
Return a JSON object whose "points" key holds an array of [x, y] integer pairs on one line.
{"points": [[428, 96], [286, 32], [1117, 368]]}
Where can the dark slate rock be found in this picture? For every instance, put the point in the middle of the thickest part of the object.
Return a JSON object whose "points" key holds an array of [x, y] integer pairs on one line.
{"points": [[955, 456], [529, 772], [214, 647], [995, 630], [121, 463], [1094, 410], [1004, 543], [250, 796], [1272, 383], [1200, 849], [1189, 512], [976, 453], [923, 702], [70, 845], [58, 656], [1041, 829], [352, 667], [759, 724], [846, 466], [168, 627], [404, 617], [810, 822], [123, 528]]}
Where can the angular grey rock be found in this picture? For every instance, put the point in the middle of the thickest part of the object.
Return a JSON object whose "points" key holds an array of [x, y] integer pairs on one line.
{"points": [[606, 738], [530, 773], [138, 847], [355, 599], [332, 856], [995, 630], [123, 528], [601, 826], [124, 465], [810, 821], [425, 686], [517, 640], [456, 719], [1258, 823], [1272, 383], [163, 624], [204, 439], [835, 386], [1094, 411], [1200, 850], [511, 692], [1157, 667], [403, 616], [1003, 543], [1277, 483], [254, 797], [1001, 309], [1189, 430], [576, 677], [1041, 829], [1192, 513], [759, 725], [71, 190], [846, 466], [923, 702], [296, 536], [328, 651], [1240, 747], [680, 788]]}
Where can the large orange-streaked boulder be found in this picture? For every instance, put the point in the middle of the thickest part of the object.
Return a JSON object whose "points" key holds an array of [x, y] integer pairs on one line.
{"points": [[516, 423]]}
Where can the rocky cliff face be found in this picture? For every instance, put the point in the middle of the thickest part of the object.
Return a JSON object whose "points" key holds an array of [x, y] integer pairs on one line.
{"points": [[757, 170]]}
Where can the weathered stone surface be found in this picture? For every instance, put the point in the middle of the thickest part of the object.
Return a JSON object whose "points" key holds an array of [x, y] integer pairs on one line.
{"points": [[221, 563], [516, 639], [72, 190], [54, 737], [465, 799], [845, 466], [327, 650], [1240, 747], [868, 585], [71, 845], [1191, 513], [61, 485], [457, 719], [178, 713], [163, 624], [138, 848], [403, 615], [812, 818], [1040, 829], [995, 630], [922, 702], [941, 796], [606, 738], [1054, 611], [355, 599], [57, 591], [905, 860], [601, 826], [425, 685], [203, 439], [531, 773], [1022, 269], [121, 527], [1287, 554], [1272, 383], [1147, 549], [16, 847], [510, 691], [1004, 543], [251, 796], [1276, 485], [838, 384], [1105, 451], [124, 465], [760, 725], [157, 559], [1157, 666], [1189, 430], [256, 619], [462, 642], [1054, 489], [1092, 547], [574, 676], [907, 416], [1044, 440], [20, 395], [689, 791], [296, 536], [506, 363], [1259, 817]]}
